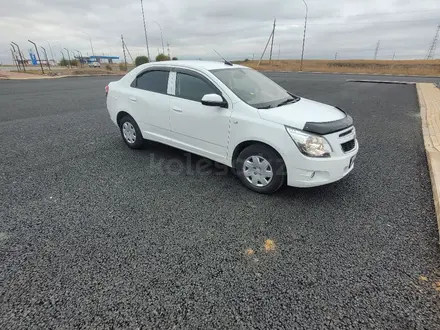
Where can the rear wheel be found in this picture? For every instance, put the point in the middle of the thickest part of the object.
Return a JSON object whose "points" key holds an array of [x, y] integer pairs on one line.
{"points": [[261, 169], [131, 133]]}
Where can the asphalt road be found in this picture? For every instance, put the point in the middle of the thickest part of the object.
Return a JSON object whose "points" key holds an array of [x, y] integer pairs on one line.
{"points": [[337, 77], [94, 235]]}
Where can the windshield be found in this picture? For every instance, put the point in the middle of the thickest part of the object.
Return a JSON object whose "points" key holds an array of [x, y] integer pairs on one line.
{"points": [[254, 88]]}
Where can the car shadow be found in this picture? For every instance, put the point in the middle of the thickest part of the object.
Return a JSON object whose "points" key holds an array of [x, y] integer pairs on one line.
{"points": [[174, 161]]}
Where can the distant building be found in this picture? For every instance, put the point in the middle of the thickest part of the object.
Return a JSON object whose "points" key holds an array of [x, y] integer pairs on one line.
{"points": [[97, 58]]}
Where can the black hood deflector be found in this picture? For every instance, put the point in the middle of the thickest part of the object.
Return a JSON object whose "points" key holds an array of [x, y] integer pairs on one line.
{"points": [[329, 126]]}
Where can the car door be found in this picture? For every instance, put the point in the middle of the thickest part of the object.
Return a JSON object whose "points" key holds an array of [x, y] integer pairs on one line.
{"points": [[150, 103], [199, 128]]}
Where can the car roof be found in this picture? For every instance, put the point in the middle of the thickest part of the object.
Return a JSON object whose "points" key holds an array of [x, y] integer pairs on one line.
{"points": [[196, 64]]}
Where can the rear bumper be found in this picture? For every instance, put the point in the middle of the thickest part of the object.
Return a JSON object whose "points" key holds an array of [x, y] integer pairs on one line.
{"points": [[312, 172]]}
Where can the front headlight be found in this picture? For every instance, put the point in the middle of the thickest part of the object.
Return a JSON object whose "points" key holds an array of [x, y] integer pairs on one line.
{"points": [[309, 144]]}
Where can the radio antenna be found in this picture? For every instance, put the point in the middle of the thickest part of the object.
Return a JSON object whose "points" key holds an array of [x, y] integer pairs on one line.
{"points": [[226, 61]]}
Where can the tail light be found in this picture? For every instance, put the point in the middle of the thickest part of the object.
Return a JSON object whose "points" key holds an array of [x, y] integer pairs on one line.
{"points": [[106, 90]]}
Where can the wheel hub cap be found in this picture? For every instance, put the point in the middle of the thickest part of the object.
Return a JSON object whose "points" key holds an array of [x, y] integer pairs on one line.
{"points": [[129, 132], [258, 171]]}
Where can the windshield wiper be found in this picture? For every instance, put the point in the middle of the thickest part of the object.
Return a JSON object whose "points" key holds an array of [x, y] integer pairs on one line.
{"points": [[287, 101], [265, 107]]}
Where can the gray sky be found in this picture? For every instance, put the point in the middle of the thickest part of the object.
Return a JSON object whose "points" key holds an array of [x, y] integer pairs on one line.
{"points": [[237, 29]]}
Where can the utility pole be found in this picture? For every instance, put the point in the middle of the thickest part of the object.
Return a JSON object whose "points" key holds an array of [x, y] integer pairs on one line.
{"points": [[431, 51], [126, 48], [169, 54], [304, 36], [38, 54], [145, 30], [377, 49], [123, 50], [21, 55], [47, 59], [273, 35], [253, 56], [264, 51], [394, 55], [336, 56]]}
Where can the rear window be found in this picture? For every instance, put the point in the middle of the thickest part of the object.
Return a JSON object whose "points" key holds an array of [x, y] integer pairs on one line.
{"points": [[153, 81]]}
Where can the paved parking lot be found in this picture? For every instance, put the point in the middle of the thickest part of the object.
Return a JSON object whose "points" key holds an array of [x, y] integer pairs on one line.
{"points": [[94, 235]]}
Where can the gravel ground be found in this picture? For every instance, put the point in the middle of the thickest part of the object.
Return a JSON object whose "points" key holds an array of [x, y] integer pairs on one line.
{"points": [[95, 235]]}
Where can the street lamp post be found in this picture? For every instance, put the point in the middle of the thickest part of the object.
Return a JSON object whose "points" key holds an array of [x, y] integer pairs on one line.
{"points": [[79, 57], [68, 55], [47, 59], [21, 55], [304, 37], [50, 48], [38, 54], [161, 36], [91, 45]]}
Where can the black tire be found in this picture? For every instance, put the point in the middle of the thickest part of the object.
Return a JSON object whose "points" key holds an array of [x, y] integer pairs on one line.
{"points": [[276, 164], [138, 139]]}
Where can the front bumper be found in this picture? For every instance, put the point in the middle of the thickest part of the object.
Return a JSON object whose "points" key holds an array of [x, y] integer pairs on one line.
{"points": [[305, 171], [317, 172]]}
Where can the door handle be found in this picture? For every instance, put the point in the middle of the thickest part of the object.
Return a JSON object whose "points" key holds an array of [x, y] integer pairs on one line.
{"points": [[177, 109], [133, 99]]}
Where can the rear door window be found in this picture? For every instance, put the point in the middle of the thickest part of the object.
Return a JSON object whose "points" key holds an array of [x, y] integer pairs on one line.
{"points": [[153, 81]]}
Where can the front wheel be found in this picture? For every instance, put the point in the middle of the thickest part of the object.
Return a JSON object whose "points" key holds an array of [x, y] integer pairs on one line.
{"points": [[261, 169], [131, 133]]}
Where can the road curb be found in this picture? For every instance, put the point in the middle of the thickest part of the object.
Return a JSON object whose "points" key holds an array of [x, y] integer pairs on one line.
{"points": [[381, 81], [429, 103], [354, 73], [61, 76]]}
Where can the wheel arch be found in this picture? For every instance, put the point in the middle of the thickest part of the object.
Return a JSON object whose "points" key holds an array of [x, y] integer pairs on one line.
{"points": [[120, 115], [242, 145]]}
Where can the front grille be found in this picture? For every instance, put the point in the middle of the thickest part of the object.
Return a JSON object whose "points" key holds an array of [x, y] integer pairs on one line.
{"points": [[347, 146]]}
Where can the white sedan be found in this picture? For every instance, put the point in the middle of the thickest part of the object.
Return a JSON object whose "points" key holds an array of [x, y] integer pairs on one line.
{"points": [[235, 116]]}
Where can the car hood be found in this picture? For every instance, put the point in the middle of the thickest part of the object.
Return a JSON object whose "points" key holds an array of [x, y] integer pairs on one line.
{"points": [[301, 112]]}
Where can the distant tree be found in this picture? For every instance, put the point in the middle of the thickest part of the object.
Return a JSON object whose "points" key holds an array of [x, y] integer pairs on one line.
{"points": [[108, 67], [162, 57], [141, 60], [175, 58], [74, 62], [64, 62]]}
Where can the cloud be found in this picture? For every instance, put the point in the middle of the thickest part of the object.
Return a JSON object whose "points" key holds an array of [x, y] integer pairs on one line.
{"points": [[237, 29]]}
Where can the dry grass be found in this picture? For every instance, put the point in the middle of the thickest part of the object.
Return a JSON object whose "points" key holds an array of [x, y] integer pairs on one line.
{"points": [[407, 67]]}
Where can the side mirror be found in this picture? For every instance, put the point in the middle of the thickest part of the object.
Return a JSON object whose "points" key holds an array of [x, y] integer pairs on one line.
{"points": [[214, 100]]}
